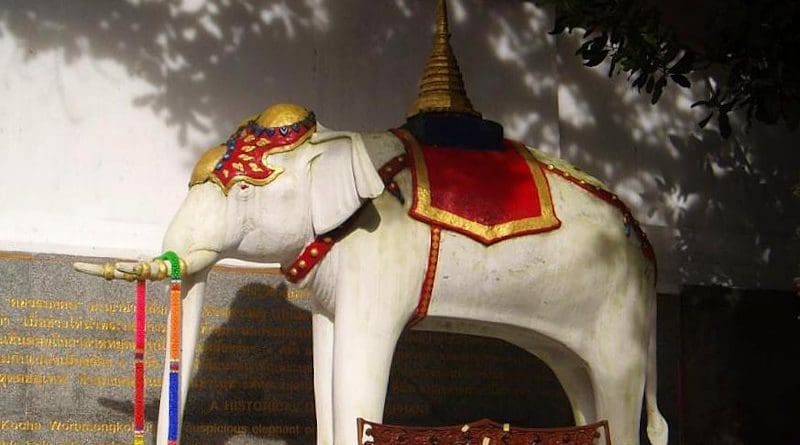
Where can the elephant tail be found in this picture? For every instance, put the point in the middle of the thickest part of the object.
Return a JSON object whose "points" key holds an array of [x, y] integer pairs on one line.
{"points": [[657, 429]]}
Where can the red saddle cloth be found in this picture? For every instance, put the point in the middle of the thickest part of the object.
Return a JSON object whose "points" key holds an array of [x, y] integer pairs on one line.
{"points": [[488, 195]]}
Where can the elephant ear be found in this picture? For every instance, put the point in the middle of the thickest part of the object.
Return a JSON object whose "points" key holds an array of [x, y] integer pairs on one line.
{"points": [[342, 176]]}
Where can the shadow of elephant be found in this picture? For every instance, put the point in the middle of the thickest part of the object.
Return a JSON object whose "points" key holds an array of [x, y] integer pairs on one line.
{"points": [[253, 381]]}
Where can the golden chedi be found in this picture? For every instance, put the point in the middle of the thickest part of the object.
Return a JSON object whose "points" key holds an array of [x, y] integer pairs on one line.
{"points": [[442, 87]]}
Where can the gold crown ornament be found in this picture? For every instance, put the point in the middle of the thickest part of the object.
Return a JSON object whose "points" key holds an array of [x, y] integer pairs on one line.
{"points": [[243, 157]]}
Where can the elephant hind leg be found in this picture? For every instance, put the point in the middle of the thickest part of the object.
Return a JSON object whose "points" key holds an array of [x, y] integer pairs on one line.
{"points": [[574, 379], [618, 378], [578, 387], [618, 397], [657, 429]]}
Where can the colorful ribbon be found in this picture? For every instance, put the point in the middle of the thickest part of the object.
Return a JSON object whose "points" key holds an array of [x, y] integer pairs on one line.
{"points": [[138, 364], [174, 352], [174, 345]]}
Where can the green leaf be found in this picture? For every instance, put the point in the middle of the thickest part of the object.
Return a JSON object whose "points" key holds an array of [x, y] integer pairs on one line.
{"points": [[704, 122], [596, 58], [681, 80], [658, 89], [640, 81], [612, 65], [559, 26], [724, 125], [684, 65], [671, 53], [583, 48]]}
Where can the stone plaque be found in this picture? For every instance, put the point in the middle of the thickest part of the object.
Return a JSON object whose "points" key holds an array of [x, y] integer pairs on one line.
{"points": [[66, 364]]}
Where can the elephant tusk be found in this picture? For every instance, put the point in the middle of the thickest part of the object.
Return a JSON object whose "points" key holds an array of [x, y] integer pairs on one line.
{"points": [[89, 268], [108, 271]]}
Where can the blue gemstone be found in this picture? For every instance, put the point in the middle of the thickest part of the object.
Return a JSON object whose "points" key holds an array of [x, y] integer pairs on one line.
{"points": [[284, 131], [226, 156], [296, 127], [219, 166], [271, 131], [230, 147]]}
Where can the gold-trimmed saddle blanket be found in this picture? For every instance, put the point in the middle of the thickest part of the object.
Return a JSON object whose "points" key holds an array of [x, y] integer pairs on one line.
{"points": [[487, 195]]}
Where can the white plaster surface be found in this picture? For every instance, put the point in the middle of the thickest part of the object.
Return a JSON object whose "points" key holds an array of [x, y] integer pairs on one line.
{"points": [[106, 105]]}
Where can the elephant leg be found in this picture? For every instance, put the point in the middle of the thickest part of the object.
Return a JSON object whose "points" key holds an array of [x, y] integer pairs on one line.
{"points": [[322, 326], [366, 332], [618, 378], [190, 329], [657, 429], [362, 361], [571, 372], [577, 385]]}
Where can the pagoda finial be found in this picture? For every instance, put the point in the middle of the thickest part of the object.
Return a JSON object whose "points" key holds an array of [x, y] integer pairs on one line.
{"points": [[442, 87], [442, 29]]}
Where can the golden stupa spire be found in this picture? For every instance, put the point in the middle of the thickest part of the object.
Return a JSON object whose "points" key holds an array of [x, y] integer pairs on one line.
{"points": [[442, 88]]}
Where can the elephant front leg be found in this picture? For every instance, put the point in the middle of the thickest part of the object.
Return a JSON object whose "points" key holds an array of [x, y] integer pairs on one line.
{"points": [[322, 326], [363, 352]]}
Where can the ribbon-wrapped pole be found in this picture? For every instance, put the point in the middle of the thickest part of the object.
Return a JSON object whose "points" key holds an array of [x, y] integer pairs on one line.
{"points": [[138, 365], [174, 345], [140, 272]]}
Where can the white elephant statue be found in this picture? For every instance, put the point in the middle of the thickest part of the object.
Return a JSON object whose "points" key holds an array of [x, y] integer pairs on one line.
{"points": [[582, 297], [577, 289]]}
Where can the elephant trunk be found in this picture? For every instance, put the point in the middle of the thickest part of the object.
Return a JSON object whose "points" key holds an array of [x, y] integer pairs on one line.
{"points": [[197, 234], [108, 271]]}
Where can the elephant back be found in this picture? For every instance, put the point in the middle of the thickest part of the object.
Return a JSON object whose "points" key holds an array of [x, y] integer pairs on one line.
{"points": [[494, 195]]}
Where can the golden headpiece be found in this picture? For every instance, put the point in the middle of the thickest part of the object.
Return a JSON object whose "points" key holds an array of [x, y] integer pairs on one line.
{"points": [[243, 157]]}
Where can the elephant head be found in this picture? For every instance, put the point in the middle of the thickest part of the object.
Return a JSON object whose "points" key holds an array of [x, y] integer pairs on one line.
{"points": [[279, 180]]}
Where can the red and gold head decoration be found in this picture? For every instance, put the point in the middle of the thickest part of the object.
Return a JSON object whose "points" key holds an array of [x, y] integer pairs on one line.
{"points": [[243, 157]]}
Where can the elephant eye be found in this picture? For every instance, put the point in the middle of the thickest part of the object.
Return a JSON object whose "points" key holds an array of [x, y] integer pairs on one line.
{"points": [[245, 191]]}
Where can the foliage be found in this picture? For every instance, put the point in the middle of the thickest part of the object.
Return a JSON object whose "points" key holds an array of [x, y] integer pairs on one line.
{"points": [[745, 46]]}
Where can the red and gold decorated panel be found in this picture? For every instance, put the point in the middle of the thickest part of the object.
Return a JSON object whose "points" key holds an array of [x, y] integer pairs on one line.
{"points": [[482, 432], [488, 195], [243, 157]]}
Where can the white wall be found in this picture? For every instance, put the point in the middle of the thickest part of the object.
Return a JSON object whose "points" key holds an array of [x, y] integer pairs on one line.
{"points": [[106, 105]]}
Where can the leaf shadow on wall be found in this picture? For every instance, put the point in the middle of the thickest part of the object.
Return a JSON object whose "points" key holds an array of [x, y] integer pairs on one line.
{"points": [[205, 60], [213, 63], [719, 212]]}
